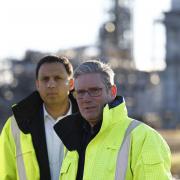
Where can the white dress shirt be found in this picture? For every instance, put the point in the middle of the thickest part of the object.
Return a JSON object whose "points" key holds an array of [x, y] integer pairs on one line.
{"points": [[55, 146]]}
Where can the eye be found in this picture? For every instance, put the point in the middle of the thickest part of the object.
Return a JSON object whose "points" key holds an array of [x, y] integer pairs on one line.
{"points": [[95, 91], [81, 92], [45, 79]]}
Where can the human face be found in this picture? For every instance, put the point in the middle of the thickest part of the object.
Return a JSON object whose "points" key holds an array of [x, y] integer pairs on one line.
{"points": [[91, 108], [53, 84]]}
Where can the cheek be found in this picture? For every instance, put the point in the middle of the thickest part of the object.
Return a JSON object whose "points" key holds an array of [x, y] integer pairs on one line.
{"points": [[102, 101], [62, 86], [79, 103], [41, 88]]}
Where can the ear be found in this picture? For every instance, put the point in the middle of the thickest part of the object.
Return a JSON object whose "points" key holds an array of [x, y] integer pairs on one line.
{"points": [[37, 84], [71, 84], [113, 91]]}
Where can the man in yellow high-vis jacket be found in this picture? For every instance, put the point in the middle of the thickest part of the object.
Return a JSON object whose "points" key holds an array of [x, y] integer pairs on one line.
{"points": [[29, 147], [103, 143]]}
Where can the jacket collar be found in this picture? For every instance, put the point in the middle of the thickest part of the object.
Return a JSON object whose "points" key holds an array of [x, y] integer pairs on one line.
{"points": [[114, 112], [26, 111], [70, 128]]}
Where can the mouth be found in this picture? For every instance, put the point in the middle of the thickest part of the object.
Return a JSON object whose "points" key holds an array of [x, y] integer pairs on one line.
{"points": [[51, 94], [90, 108]]}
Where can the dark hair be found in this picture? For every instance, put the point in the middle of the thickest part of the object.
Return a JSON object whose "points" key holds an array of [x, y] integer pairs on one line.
{"points": [[55, 59]]}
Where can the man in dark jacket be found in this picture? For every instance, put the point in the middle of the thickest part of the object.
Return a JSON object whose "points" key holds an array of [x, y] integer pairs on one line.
{"points": [[29, 147]]}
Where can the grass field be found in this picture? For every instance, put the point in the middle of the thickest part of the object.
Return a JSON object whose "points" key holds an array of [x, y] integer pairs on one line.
{"points": [[173, 139]]}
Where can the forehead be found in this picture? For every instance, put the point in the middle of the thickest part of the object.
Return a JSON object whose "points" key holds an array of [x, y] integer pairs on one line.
{"points": [[90, 80], [48, 69]]}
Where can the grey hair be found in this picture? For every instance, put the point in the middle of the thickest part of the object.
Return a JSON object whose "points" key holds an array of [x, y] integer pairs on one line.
{"points": [[95, 66]]}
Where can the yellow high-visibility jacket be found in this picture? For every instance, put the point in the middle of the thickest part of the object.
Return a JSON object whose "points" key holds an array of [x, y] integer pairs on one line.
{"points": [[8, 155], [149, 156], [23, 154]]}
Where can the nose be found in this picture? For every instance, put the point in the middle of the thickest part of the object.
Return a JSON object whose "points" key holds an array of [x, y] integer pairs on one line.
{"points": [[87, 97], [51, 83]]}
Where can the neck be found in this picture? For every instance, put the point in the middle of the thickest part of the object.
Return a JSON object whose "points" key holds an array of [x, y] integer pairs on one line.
{"points": [[57, 110], [93, 123]]}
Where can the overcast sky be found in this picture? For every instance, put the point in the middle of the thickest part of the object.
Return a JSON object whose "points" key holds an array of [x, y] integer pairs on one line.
{"points": [[49, 25]]}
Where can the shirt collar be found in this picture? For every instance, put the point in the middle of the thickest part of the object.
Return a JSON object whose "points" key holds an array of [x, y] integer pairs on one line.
{"points": [[47, 116]]}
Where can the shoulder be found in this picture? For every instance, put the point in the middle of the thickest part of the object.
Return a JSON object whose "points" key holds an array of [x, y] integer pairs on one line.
{"points": [[150, 154], [149, 146], [7, 125], [6, 136], [147, 135]]}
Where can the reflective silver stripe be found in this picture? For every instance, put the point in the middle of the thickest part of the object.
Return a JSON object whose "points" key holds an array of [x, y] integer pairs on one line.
{"points": [[123, 154], [19, 158]]}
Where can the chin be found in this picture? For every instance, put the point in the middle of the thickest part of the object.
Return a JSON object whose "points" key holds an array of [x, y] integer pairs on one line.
{"points": [[90, 119]]}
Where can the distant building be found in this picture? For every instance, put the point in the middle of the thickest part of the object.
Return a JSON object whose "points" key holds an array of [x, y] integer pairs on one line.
{"points": [[153, 97], [172, 73]]}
